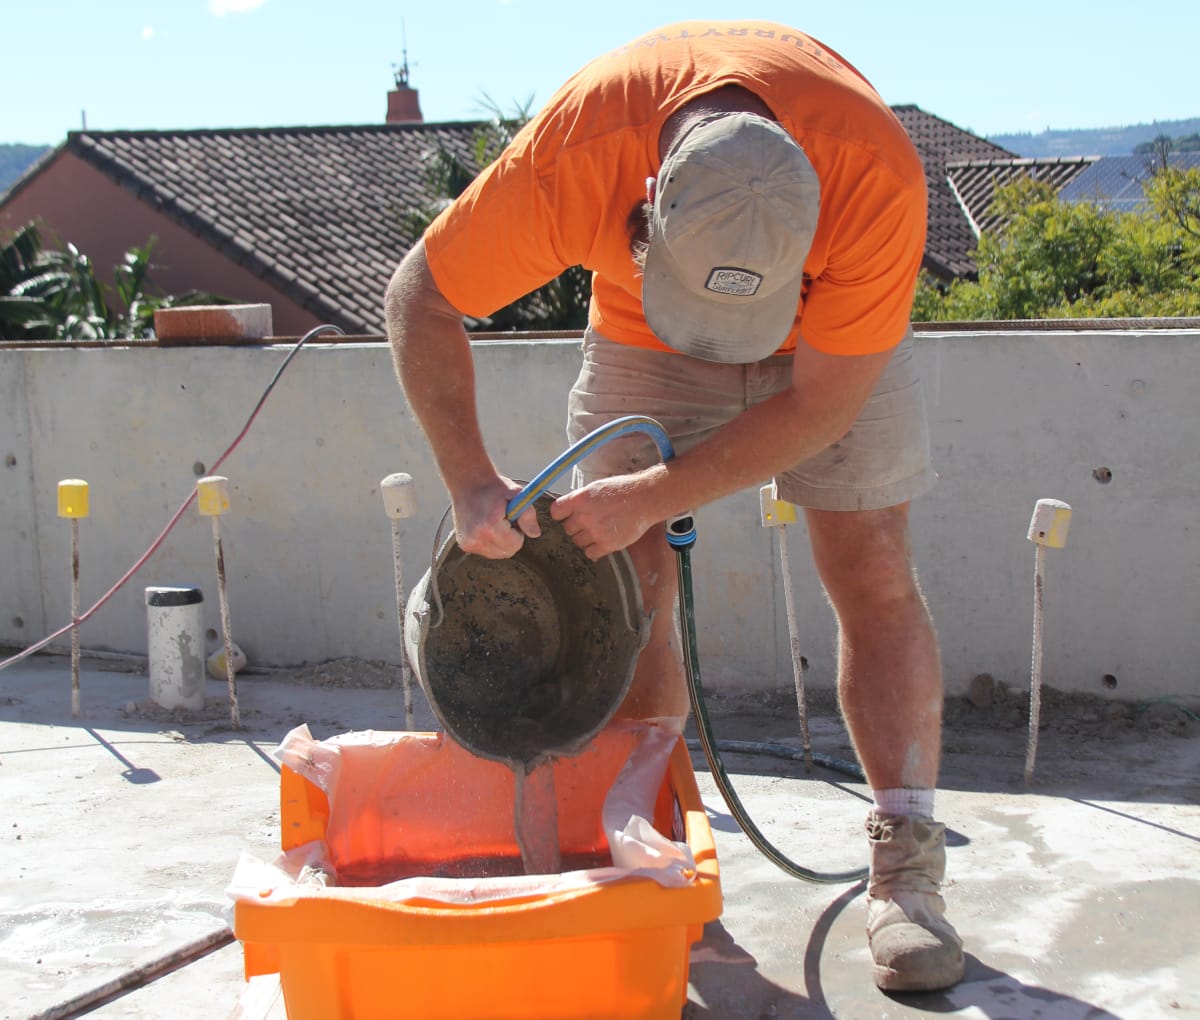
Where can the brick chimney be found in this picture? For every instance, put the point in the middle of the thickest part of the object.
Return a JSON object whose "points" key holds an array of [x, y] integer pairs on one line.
{"points": [[404, 107]]}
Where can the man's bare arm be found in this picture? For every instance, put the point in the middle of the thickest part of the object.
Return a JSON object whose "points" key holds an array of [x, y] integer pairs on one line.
{"points": [[826, 396], [433, 360]]}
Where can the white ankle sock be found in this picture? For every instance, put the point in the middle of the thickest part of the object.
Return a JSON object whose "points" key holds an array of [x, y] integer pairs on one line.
{"points": [[904, 801]]}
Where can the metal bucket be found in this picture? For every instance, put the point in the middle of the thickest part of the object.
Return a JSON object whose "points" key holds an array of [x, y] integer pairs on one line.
{"points": [[526, 658]]}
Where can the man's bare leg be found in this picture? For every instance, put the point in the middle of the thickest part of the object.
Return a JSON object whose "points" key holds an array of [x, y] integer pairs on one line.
{"points": [[889, 671], [890, 691], [659, 688]]}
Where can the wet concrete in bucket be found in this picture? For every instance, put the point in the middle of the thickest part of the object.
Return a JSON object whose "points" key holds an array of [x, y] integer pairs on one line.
{"points": [[530, 656]]}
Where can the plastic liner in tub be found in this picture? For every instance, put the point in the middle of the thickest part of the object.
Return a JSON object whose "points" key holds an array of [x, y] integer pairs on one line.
{"points": [[400, 894]]}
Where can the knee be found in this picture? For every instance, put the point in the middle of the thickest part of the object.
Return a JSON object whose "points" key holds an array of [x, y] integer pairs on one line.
{"points": [[865, 564]]}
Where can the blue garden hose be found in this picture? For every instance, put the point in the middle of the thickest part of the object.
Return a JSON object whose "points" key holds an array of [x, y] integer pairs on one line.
{"points": [[588, 444], [681, 536]]}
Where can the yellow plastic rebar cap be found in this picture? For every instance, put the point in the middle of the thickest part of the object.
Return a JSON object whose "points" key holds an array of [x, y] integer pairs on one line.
{"points": [[73, 498], [212, 495]]}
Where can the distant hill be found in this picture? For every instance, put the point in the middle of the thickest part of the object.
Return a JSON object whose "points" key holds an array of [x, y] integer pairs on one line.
{"points": [[15, 160], [1114, 141]]}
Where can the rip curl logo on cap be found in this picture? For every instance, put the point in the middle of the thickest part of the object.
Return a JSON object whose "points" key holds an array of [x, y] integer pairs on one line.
{"points": [[733, 281]]}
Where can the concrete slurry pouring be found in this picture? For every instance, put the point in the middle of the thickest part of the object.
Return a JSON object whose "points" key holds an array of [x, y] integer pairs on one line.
{"points": [[1076, 897]]}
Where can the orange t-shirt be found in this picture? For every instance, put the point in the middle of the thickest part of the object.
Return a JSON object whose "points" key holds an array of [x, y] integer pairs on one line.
{"points": [[561, 194]]}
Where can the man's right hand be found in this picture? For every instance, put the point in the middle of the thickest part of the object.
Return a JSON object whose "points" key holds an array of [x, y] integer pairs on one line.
{"points": [[480, 524]]}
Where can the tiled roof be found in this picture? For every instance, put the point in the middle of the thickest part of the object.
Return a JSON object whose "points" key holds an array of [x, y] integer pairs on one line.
{"points": [[318, 212], [950, 240], [976, 181]]}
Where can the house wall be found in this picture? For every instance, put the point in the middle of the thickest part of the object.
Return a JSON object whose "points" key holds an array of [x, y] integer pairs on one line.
{"points": [[1105, 421], [104, 221]]}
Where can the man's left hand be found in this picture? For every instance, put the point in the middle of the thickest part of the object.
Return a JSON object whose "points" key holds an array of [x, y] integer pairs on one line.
{"points": [[605, 516]]}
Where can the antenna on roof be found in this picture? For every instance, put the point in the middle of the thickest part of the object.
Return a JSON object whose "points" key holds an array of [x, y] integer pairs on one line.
{"points": [[401, 70], [404, 107]]}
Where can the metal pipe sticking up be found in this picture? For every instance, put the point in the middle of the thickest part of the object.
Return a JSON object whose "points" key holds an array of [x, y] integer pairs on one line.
{"points": [[212, 501], [400, 503], [73, 504], [1047, 530], [778, 514]]}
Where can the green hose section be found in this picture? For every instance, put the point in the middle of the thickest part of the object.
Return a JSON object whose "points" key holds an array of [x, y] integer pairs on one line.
{"points": [[716, 766]]}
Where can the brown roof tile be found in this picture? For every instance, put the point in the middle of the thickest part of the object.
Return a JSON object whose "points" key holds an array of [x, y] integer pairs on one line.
{"points": [[316, 211], [950, 239]]}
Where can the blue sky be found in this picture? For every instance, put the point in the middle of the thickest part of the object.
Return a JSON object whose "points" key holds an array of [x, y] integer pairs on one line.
{"points": [[991, 68]]}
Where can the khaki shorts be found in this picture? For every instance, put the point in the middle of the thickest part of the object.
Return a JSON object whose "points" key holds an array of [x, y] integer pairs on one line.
{"points": [[881, 462]]}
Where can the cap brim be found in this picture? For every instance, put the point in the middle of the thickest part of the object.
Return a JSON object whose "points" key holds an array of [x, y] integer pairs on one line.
{"points": [[721, 328]]}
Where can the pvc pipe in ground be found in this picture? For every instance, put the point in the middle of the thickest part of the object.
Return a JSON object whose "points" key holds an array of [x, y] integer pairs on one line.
{"points": [[175, 635]]}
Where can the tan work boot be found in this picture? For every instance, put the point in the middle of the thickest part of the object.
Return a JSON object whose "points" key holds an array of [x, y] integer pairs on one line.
{"points": [[914, 947]]}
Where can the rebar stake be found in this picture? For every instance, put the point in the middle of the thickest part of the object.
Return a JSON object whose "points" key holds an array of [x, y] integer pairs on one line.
{"points": [[73, 504], [212, 500], [399, 503], [1047, 530], [778, 513]]}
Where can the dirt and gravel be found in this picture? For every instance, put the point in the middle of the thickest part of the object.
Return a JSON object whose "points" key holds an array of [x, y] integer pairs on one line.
{"points": [[1092, 744]]}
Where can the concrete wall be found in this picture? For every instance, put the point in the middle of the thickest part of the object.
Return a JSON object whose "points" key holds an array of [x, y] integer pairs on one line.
{"points": [[1107, 421]]}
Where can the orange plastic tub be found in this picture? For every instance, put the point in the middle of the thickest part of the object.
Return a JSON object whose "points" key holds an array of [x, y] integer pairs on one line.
{"points": [[613, 950]]}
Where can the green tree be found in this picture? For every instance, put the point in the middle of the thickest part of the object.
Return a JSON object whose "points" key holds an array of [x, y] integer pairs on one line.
{"points": [[54, 294], [1174, 196], [560, 304], [1056, 259], [23, 264]]}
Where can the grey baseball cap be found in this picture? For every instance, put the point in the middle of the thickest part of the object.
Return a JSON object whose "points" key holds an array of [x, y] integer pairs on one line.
{"points": [[734, 214]]}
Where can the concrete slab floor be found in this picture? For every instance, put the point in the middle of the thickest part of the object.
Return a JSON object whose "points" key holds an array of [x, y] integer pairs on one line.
{"points": [[1077, 897]]}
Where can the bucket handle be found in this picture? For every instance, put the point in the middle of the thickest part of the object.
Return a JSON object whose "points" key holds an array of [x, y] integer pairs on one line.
{"points": [[435, 596]]}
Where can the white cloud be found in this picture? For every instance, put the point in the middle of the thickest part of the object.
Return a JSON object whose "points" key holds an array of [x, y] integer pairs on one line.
{"points": [[147, 33], [222, 7]]}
